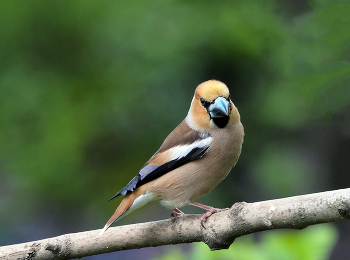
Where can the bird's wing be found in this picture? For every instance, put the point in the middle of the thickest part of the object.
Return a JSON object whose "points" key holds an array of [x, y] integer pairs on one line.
{"points": [[182, 146]]}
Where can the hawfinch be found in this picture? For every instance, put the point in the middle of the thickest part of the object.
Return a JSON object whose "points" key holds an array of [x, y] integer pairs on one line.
{"points": [[196, 156]]}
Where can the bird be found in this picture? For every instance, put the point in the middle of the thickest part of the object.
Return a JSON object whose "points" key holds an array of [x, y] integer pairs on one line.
{"points": [[195, 157]]}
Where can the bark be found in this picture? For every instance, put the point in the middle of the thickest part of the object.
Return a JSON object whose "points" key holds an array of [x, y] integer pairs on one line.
{"points": [[220, 230]]}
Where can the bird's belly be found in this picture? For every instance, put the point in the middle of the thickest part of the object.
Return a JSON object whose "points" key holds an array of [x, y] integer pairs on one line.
{"points": [[189, 182], [195, 179]]}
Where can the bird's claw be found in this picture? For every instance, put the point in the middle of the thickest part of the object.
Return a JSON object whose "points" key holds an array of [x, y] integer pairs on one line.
{"points": [[176, 212], [210, 211]]}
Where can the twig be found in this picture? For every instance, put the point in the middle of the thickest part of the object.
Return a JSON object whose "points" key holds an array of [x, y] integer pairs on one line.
{"points": [[221, 228]]}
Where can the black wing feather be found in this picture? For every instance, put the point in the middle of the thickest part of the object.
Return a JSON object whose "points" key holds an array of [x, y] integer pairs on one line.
{"points": [[158, 171]]}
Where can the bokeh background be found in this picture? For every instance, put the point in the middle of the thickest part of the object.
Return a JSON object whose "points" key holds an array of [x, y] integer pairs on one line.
{"points": [[90, 89]]}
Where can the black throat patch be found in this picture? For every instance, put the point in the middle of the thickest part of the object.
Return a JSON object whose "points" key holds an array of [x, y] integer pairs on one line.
{"points": [[221, 122]]}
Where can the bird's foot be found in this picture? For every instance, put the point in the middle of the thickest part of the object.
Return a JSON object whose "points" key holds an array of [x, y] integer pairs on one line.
{"points": [[210, 211], [176, 212]]}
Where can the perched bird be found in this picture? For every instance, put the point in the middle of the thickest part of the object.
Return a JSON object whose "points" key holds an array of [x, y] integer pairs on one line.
{"points": [[195, 157]]}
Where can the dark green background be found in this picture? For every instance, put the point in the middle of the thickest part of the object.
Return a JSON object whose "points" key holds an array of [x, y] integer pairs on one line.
{"points": [[90, 89]]}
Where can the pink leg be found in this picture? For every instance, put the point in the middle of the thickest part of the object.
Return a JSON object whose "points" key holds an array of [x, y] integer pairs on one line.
{"points": [[210, 211], [176, 212]]}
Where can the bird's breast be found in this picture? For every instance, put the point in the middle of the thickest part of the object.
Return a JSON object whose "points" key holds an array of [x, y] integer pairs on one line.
{"points": [[193, 180]]}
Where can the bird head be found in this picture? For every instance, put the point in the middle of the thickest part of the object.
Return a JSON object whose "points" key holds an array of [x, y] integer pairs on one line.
{"points": [[211, 107]]}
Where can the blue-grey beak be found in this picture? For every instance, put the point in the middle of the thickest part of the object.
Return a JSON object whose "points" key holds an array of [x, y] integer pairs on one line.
{"points": [[220, 108]]}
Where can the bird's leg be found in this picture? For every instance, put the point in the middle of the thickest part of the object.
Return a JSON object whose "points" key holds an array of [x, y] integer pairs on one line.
{"points": [[210, 211], [176, 212]]}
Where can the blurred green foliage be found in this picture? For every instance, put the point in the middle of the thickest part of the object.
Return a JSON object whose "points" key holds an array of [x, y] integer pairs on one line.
{"points": [[90, 89], [313, 243]]}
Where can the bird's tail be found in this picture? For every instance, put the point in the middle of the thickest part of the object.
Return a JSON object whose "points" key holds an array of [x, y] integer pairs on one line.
{"points": [[131, 201], [121, 211]]}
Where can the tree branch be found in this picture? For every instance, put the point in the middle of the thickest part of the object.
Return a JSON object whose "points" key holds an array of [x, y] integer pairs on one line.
{"points": [[220, 232]]}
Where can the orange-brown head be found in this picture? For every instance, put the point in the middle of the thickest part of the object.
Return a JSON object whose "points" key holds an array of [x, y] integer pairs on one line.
{"points": [[211, 107]]}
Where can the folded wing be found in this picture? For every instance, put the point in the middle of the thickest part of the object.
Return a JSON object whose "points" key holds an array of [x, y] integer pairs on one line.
{"points": [[182, 146]]}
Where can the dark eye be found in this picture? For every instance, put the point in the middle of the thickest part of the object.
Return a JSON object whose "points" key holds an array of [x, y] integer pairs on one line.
{"points": [[204, 103]]}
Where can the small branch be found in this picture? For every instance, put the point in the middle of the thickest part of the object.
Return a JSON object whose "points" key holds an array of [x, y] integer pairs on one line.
{"points": [[220, 232]]}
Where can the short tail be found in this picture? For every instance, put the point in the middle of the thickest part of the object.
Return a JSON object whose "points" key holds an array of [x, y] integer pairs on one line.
{"points": [[131, 201], [123, 207]]}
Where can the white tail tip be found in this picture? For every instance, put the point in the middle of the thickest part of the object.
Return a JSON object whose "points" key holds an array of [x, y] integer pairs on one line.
{"points": [[103, 230]]}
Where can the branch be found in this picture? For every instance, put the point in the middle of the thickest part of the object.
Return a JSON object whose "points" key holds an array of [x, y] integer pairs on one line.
{"points": [[220, 232]]}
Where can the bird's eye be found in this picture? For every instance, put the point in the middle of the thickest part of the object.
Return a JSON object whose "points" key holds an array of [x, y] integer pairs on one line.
{"points": [[204, 103]]}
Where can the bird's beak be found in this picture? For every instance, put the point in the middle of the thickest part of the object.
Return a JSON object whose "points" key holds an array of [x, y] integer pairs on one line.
{"points": [[220, 108]]}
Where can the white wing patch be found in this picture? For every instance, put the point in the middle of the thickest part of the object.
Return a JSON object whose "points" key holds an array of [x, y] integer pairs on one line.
{"points": [[183, 150]]}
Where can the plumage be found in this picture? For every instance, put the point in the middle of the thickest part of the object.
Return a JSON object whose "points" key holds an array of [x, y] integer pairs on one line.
{"points": [[195, 157]]}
